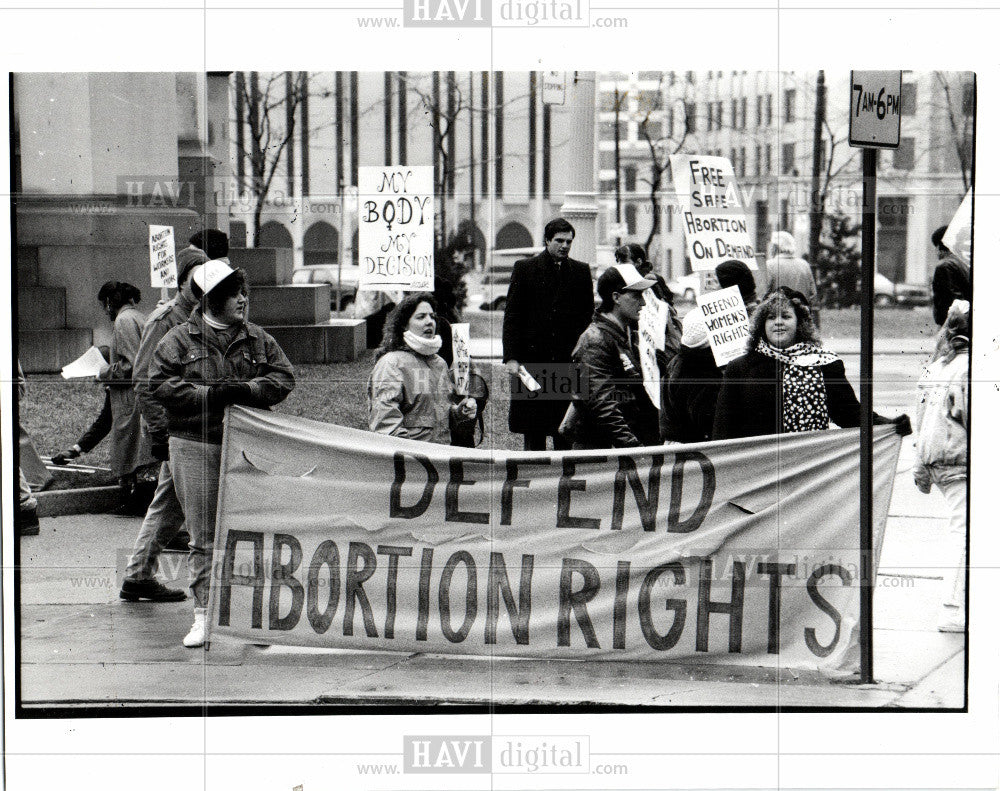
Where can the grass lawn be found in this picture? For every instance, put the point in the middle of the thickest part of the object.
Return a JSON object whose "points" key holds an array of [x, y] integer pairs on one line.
{"points": [[56, 411]]}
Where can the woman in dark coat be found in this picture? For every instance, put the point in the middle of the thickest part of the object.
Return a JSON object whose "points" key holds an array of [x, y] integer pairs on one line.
{"points": [[691, 386], [787, 382]]}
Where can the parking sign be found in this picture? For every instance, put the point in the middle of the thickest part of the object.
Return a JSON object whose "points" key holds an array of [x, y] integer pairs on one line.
{"points": [[875, 112]]}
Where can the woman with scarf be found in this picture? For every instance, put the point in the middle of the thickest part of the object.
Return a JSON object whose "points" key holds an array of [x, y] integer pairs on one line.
{"points": [[411, 393], [787, 382]]}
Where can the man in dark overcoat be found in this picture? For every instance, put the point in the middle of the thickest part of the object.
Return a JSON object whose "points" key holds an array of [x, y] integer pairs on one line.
{"points": [[550, 302]]}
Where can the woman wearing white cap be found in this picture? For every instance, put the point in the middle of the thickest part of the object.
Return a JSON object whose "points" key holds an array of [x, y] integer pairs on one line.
{"points": [[614, 410], [214, 359], [691, 387]]}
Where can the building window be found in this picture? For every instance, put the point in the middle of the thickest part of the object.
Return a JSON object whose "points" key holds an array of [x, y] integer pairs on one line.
{"points": [[690, 116], [769, 115], [787, 158], [785, 216], [757, 161], [760, 111], [654, 129], [732, 158], [670, 220], [767, 159], [733, 113], [718, 114], [789, 105], [670, 121], [670, 260], [606, 160], [630, 218], [630, 178], [743, 162], [908, 99], [709, 117], [902, 157], [743, 113]]}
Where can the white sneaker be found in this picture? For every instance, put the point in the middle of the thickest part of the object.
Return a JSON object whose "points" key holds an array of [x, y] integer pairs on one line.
{"points": [[196, 637], [951, 621]]}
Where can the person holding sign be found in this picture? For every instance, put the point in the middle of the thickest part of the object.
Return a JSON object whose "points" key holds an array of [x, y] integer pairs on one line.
{"points": [[214, 359], [952, 278], [411, 393], [787, 382], [613, 410], [691, 387], [550, 301]]}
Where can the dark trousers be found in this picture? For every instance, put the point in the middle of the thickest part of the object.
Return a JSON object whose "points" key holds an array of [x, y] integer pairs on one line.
{"points": [[536, 441]]}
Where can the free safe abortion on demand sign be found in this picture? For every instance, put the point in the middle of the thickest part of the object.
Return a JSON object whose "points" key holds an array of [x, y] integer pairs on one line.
{"points": [[743, 551], [713, 211], [396, 228]]}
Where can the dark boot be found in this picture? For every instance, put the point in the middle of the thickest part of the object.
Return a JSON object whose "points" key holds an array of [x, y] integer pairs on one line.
{"points": [[27, 522], [151, 590]]}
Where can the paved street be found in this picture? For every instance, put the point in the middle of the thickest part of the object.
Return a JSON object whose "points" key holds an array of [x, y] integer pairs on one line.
{"points": [[81, 645]]}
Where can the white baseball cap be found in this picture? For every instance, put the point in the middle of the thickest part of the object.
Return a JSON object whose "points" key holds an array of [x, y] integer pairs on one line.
{"points": [[211, 273]]}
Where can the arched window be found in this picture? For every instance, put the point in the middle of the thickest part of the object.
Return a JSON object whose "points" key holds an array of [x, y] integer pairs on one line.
{"points": [[513, 234], [321, 244], [274, 234]]}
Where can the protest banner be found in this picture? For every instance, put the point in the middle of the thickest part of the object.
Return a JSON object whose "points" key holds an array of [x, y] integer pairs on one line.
{"points": [[652, 338], [728, 323], [461, 357], [712, 211], [733, 552], [958, 237], [162, 258], [396, 228]]}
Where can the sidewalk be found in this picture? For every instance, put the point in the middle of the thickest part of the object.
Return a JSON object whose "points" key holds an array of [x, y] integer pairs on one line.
{"points": [[81, 645]]}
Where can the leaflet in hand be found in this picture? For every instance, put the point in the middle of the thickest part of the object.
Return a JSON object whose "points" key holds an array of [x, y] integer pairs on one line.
{"points": [[86, 366]]}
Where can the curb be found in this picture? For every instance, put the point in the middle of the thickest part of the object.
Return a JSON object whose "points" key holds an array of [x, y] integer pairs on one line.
{"points": [[90, 500]]}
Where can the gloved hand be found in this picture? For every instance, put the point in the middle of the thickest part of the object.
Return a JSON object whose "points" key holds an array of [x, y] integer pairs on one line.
{"points": [[922, 478], [160, 451], [902, 424], [224, 393], [63, 458]]}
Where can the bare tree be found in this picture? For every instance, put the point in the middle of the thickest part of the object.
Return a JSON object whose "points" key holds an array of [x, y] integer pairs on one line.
{"points": [[959, 111], [270, 108], [661, 147]]}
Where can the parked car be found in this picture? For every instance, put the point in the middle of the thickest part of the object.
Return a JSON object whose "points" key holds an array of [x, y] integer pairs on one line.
{"points": [[326, 273], [906, 294], [496, 279], [686, 287]]}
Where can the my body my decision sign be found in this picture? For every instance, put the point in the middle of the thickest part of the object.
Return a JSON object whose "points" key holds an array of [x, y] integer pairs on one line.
{"points": [[875, 112]]}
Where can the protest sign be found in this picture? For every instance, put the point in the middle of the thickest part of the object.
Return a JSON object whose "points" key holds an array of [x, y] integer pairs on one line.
{"points": [[87, 365], [712, 211], [461, 357], [162, 259], [652, 338], [396, 228], [728, 323], [958, 237], [706, 553]]}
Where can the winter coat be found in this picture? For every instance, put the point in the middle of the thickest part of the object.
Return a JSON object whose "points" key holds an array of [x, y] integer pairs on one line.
{"points": [[793, 272], [193, 356], [688, 396], [616, 411], [750, 400], [166, 316], [942, 420], [410, 395], [952, 280], [548, 306], [129, 450]]}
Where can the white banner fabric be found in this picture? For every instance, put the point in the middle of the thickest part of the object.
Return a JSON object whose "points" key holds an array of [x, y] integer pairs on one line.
{"points": [[735, 552]]}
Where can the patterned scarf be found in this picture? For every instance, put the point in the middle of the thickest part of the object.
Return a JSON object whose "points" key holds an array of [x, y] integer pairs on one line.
{"points": [[803, 389]]}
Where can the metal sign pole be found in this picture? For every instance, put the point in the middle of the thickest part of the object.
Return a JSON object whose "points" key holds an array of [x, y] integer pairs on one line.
{"points": [[867, 359]]}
